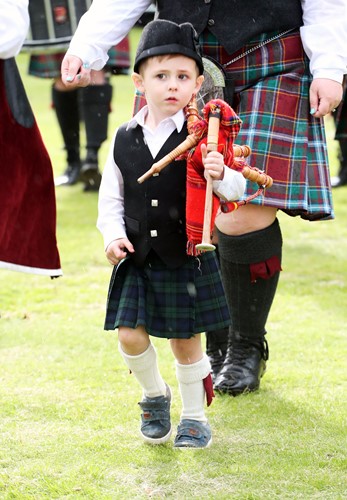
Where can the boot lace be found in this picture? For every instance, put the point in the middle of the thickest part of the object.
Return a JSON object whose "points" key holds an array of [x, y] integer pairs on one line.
{"points": [[239, 350]]}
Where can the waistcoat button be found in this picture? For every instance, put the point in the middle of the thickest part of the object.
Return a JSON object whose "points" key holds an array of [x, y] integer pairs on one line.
{"points": [[154, 233], [210, 22]]}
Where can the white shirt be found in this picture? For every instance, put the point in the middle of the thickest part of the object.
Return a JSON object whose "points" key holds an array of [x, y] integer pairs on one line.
{"points": [[111, 195], [14, 25], [324, 34]]}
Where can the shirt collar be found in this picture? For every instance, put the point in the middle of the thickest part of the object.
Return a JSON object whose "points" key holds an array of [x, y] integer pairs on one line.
{"points": [[177, 119]]}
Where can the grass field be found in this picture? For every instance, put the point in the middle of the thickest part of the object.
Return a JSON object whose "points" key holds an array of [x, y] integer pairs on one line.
{"points": [[68, 413]]}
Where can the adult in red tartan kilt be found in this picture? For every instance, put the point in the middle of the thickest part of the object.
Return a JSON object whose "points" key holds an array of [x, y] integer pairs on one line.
{"points": [[340, 118], [286, 62], [91, 104]]}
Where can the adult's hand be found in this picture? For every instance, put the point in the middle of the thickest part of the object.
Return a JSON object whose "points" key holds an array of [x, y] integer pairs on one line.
{"points": [[74, 73], [325, 96]]}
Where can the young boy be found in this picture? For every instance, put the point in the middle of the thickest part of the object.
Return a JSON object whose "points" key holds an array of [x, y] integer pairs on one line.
{"points": [[156, 288]]}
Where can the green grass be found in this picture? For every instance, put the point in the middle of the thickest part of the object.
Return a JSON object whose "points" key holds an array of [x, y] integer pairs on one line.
{"points": [[68, 413]]}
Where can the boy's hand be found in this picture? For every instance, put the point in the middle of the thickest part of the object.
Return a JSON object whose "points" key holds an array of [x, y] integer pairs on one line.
{"points": [[213, 163], [117, 250]]}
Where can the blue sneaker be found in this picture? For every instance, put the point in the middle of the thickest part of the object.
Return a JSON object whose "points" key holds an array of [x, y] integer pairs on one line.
{"points": [[155, 418], [193, 434]]}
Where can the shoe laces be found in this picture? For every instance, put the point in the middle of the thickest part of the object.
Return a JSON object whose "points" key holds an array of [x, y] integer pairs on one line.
{"points": [[239, 350]]}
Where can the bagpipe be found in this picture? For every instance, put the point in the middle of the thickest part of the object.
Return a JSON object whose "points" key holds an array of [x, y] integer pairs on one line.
{"points": [[218, 129]]}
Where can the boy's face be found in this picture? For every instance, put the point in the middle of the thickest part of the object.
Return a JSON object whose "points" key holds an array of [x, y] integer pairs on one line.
{"points": [[168, 83]]}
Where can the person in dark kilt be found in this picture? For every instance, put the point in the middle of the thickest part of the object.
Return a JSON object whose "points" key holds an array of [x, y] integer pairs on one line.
{"points": [[158, 288], [340, 118], [91, 105], [284, 64]]}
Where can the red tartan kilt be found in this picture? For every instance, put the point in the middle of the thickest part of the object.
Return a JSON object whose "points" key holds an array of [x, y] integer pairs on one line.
{"points": [[272, 99]]}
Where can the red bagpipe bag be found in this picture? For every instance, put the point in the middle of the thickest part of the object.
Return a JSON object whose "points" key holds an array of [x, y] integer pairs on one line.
{"points": [[27, 197], [229, 128]]}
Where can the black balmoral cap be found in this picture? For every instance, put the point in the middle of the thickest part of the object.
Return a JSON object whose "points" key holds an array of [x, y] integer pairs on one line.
{"points": [[161, 37]]}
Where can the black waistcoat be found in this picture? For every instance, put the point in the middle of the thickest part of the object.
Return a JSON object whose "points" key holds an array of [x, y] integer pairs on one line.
{"points": [[154, 210], [234, 22]]}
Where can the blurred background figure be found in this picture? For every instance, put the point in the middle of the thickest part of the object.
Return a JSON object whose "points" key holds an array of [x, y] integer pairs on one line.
{"points": [[340, 118], [90, 105]]}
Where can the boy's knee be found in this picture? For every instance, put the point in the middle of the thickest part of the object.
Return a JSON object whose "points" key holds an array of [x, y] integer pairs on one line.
{"points": [[132, 340], [186, 351]]}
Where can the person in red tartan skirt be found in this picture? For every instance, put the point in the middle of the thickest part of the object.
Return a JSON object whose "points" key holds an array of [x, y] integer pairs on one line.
{"points": [[158, 287], [284, 64], [92, 105], [27, 209]]}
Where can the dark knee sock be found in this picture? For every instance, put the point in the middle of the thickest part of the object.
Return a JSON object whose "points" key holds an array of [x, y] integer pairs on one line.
{"points": [[250, 266], [67, 111], [95, 103]]}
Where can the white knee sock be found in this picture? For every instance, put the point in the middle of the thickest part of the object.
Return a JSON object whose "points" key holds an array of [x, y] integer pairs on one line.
{"points": [[145, 368], [190, 379]]}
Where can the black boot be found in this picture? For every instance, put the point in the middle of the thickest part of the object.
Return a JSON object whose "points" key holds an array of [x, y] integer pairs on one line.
{"points": [[243, 367], [250, 266], [65, 104], [95, 102], [341, 179], [216, 349]]}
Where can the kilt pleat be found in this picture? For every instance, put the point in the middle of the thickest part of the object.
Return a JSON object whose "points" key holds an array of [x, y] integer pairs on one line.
{"points": [[169, 303]]}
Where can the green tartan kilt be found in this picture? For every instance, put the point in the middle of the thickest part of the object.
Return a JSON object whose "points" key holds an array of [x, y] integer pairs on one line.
{"points": [[169, 303], [48, 65]]}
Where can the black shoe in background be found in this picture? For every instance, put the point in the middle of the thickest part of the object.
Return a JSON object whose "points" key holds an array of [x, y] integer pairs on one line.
{"points": [[70, 177], [90, 176], [341, 178]]}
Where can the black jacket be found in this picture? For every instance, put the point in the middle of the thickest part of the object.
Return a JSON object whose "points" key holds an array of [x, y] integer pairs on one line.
{"points": [[154, 210], [234, 22]]}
